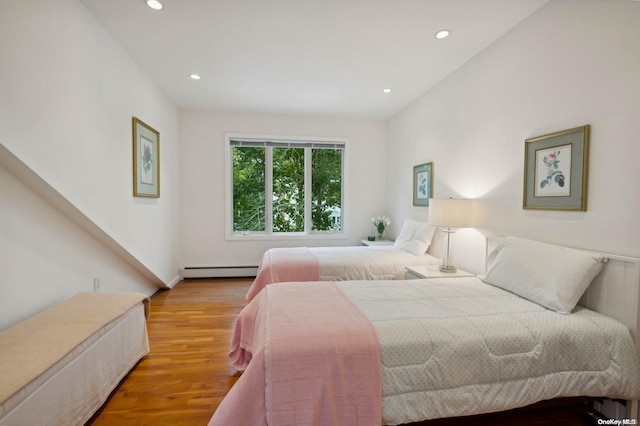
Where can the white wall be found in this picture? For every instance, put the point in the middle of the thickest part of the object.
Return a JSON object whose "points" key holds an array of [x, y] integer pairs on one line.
{"points": [[573, 62], [67, 95], [47, 258], [202, 178]]}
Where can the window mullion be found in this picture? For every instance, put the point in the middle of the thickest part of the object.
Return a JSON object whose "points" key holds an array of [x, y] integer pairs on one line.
{"points": [[268, 190], [343, 191], [308, 220]]}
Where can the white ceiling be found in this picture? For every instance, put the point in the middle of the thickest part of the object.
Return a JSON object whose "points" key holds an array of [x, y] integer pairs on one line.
{"points": [[311, 57]]}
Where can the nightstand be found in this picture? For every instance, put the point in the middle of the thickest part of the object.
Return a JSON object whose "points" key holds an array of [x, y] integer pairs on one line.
{"points": [[418, 272], [376, 243]]}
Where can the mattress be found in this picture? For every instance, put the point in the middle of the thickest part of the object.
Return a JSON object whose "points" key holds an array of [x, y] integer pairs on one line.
{"points": [[458, 346], [73, 387]]}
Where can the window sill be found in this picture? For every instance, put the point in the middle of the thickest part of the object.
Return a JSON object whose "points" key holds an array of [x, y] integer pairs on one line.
{"points": [[276, 237]]}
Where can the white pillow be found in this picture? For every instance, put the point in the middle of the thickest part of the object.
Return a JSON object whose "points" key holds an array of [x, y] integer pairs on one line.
{"points": [[549, 275], [415, 237]]}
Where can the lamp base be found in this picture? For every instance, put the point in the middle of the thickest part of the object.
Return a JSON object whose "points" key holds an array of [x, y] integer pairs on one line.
{"points": [[448, 269]]}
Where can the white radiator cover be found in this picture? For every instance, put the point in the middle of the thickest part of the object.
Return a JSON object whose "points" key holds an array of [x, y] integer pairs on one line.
{"points": [[218, 271]]}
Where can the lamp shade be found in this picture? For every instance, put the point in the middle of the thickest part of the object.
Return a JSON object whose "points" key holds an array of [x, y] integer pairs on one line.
{"points": [[450, 213]]}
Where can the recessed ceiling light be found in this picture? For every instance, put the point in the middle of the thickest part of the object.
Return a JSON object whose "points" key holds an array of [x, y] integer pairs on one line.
{"points": [[442, 34], [386, 90], [194, 76], [154, 4]]}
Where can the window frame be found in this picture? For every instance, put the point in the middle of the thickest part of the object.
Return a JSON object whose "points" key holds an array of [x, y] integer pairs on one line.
{"points": [[231, 235]]}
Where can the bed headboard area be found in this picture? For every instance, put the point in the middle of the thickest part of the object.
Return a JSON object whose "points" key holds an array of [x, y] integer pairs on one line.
{"points": [[614, 292]]}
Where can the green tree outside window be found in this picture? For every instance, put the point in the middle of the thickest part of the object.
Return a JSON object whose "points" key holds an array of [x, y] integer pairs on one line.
{"points": [[287, 189]]}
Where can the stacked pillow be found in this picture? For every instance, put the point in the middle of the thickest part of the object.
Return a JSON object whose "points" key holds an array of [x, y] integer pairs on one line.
{"points": [[551, 276], [415, 237]]}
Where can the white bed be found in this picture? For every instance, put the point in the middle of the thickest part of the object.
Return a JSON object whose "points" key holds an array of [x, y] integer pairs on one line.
{"points": [[301, 264], [489, 348], [476, 349], [55, 376]]}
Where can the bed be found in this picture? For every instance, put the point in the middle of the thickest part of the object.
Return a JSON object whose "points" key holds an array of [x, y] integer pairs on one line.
{"points": [[326, 352], [59, 366], [301, 264]]}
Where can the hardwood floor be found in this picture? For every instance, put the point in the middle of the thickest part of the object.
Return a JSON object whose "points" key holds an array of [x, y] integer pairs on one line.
{"points": [[187, 373]]}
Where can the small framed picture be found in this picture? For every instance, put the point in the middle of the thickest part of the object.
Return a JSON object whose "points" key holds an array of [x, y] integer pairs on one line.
{"points": [[422, 184], [555, 170], [146, 160]]}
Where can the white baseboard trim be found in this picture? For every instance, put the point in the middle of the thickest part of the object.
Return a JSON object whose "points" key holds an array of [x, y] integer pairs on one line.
{"points": [[218, 271], [175, 281]]}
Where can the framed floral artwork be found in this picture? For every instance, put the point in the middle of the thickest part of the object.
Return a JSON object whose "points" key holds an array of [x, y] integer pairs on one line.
{"points": [[146, 160], [422, 184], [556, 169]]}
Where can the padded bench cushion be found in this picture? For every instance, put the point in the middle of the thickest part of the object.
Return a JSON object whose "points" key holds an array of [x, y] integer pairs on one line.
{"points": [[32, 346]]}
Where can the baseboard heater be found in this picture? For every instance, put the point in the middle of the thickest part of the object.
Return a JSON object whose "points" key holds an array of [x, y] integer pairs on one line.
{"points": [[218, 271]]}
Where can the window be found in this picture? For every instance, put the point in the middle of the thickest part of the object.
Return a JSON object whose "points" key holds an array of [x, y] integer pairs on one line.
{"points": [[285, 187]]}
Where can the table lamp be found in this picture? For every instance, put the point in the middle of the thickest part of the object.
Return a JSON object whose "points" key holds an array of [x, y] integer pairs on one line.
{"points": [[450, 213]]}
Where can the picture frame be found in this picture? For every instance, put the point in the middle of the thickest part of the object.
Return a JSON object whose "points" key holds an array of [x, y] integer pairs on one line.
{"points": [[422, 184], [146, 160], [556, 170]]}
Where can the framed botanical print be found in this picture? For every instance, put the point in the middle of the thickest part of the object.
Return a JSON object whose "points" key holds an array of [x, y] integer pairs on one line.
{"points": [[555, 170], [422, 184], [146, 160]]}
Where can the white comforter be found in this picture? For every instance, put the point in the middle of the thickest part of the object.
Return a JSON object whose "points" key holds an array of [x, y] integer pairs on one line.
{"points": [[457, 346], [302, 264], [367, 263]]}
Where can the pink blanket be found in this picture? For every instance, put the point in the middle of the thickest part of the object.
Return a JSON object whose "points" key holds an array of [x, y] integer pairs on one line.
{"points": [[309, 357], [283, 265]]}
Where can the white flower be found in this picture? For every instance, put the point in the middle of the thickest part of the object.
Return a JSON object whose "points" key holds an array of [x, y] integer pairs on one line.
{"points": [[381, 222]]}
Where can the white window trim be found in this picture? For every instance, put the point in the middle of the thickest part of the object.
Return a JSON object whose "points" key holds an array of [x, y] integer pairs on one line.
{"points": [[318, 235]]}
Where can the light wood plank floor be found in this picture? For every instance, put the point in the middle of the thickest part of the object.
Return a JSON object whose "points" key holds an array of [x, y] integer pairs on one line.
{"points": [[187, 373]]}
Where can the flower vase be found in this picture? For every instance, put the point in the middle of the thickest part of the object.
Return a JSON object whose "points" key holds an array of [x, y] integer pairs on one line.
{"points": [[380, 236]]}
